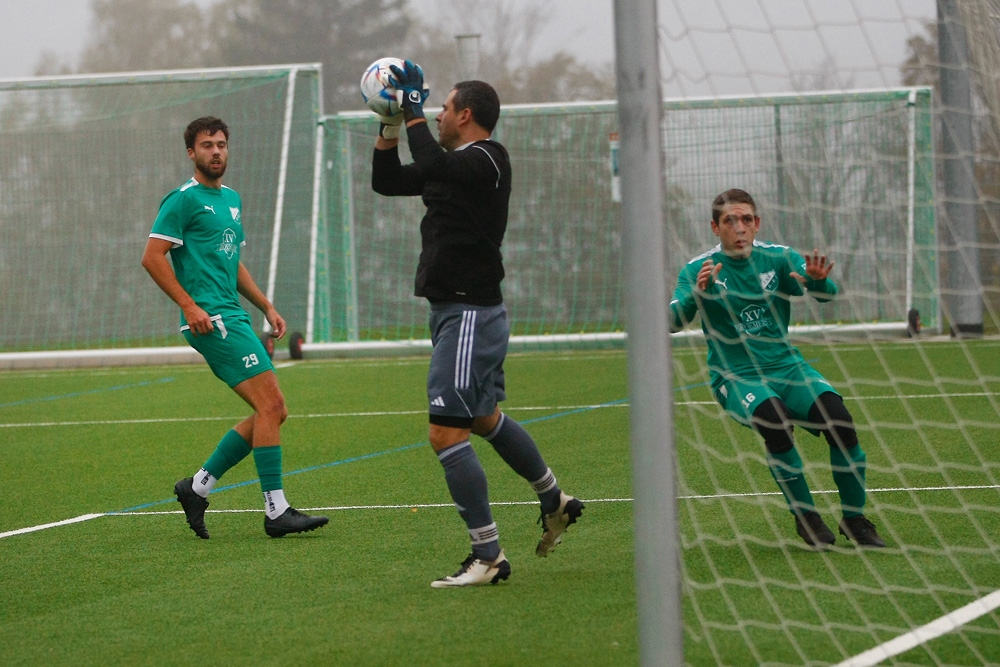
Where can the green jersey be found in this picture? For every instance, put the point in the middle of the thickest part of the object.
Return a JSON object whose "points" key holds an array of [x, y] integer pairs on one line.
{"points": [[745, 312], [205, 228]]}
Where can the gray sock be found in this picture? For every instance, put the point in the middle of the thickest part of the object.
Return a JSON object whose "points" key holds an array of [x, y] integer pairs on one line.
{"points": [[467, 484], [519, 451]]}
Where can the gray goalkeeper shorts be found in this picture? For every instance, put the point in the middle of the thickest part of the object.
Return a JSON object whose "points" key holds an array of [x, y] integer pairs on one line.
{"points": [[466, 374]]}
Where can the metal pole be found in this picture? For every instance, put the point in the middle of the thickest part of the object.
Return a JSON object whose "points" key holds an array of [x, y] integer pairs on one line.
{"points": [[468, 56], [963, 304], [314, 232], [911, 196], [279, 205], [657, 546]]}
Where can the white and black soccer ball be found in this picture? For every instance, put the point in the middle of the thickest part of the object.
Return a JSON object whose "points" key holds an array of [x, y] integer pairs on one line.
{"points": [[378, 94]]}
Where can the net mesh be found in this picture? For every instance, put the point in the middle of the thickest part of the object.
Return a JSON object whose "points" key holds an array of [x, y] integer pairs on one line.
{"points": [[852, 172], [84, 164]]}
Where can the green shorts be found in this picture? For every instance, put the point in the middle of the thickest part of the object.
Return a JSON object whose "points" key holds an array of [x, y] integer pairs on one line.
{"points": [[233, 351], [797, 386]]}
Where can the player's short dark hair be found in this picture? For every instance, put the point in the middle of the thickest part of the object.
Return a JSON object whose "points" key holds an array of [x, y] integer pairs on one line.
{"points": [[734, 196], [209, 124], [479, 98]]}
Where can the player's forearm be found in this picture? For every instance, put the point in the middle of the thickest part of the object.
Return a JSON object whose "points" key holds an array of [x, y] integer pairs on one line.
{"points": [[423, 146], [163, 275], [821, 290], [246, 286], [392, 179], [682, 312]]}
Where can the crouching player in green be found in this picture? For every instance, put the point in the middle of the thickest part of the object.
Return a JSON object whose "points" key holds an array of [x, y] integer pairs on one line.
{"points": [[199, 225], [742, 289]]}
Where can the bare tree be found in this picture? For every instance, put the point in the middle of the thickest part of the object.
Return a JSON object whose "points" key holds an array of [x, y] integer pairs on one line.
{"points": [[344, 35], [137, 35], [508, 54]]}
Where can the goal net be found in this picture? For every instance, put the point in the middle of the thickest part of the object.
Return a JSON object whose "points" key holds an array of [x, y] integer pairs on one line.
{"points": [[852, 171], [84, 164], [925, 406]]}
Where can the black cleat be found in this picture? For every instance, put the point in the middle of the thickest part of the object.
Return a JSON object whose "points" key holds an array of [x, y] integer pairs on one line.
{"points": [[861, 530], [194, 506], [292, 521], [813, 530]]}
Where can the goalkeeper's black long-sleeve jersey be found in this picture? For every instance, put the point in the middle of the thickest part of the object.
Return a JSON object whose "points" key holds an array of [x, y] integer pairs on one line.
{"points": [[466, 192]]}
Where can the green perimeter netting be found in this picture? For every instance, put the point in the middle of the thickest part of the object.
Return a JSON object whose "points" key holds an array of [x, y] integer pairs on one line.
{"points": [[84, 164]]}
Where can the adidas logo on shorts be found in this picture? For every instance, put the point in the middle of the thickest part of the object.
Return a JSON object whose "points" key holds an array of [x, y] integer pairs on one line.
{"points": [[439, 402]]}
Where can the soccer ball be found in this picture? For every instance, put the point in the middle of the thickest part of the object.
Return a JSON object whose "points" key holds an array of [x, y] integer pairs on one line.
{"points": [[378, 94]]}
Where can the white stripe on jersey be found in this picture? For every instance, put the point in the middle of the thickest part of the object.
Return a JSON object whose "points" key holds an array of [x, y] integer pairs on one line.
{"points": [[499, 175], [765, 244], [463, 358], [705, 255], [177, 242]]}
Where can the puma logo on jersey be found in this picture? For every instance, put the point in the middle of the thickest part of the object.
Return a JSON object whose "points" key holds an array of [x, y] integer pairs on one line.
{"points": [[210, 208], [723, 283]]}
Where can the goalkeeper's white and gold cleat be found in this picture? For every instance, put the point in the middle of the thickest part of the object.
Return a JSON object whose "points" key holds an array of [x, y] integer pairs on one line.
{"points": [[556, 523], [476, 572]]}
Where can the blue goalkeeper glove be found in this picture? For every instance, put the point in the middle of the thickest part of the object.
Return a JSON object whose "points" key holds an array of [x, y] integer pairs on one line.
{"points": [[410, 89]]}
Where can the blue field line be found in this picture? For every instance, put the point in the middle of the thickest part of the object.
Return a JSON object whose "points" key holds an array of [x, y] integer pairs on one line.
{"points": [[84, 393], [393, 451]]}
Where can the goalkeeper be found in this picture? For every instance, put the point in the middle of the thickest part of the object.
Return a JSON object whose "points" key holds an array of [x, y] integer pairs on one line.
{"points": [[464, 179], [742, 289]]}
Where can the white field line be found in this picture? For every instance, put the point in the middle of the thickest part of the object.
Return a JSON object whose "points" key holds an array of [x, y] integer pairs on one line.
{"points": [[325, 415], [396, 413], [925, 633], [335, 508], [66, 522]]}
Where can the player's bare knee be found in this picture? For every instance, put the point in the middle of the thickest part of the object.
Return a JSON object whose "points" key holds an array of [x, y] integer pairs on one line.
{"points": [[274, 407], [483, 426]]}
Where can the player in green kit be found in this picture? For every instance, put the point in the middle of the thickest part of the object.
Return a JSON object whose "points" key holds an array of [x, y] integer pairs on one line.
{"points": [[199, 225], [742, 290]]}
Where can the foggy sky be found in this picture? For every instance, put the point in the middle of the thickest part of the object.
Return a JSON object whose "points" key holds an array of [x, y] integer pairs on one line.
{"points": [[708, 47]]}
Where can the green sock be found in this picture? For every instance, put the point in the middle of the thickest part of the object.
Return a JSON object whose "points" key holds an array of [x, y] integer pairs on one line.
{"points": [[231, 450], [786, 469], [849, 476], [268, 460]]}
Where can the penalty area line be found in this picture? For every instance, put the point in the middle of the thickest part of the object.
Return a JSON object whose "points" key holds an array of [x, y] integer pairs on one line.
{"points": [[940, 626]]}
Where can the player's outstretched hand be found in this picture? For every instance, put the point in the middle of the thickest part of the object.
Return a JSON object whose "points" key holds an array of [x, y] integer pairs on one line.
{"points": [[817, 268], [707, 274]]}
